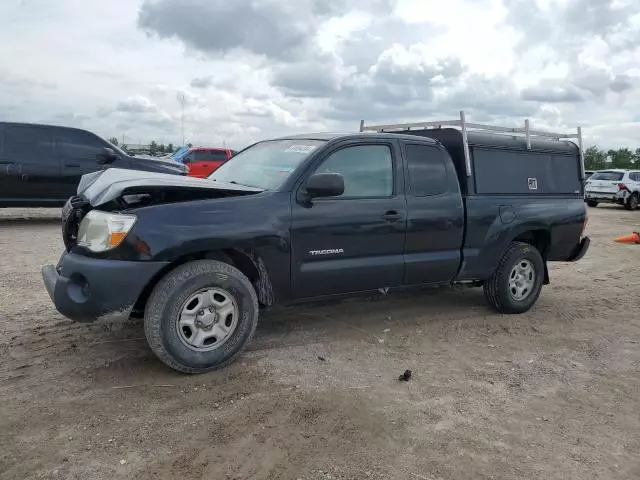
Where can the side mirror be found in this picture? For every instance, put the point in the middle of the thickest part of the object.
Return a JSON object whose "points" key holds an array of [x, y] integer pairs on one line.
{"points": [[107, 156], [325, 185]]}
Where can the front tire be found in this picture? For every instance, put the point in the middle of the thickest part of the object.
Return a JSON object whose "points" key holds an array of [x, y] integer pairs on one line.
{"points": [[515, 285], [201, 316], [592, 203]]}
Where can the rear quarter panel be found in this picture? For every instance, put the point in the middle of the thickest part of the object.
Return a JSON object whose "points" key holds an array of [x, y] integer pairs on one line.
{"points": [[493, 222]]}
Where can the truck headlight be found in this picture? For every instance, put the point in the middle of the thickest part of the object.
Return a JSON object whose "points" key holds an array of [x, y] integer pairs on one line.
{"points": [[101, 231]]}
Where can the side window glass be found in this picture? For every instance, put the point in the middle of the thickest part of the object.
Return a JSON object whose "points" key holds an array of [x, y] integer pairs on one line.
{"points": [[78, 144], [427, 170], [367, 170], [201, 156], [29, 141], [218, 155]]}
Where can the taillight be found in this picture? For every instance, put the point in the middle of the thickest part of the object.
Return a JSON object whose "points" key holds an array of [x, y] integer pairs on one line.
{"points": [[622, 186]]}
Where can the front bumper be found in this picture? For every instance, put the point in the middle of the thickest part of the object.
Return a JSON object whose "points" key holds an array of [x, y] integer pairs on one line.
{"points": [[84, 289], [580, 250]]}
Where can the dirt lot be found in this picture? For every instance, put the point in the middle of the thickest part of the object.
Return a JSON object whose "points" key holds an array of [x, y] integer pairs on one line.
{"points": [[552, 394]]}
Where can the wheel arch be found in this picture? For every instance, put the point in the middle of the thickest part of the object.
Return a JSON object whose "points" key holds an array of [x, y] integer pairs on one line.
{"points": [[540, 238], [248, 261]]}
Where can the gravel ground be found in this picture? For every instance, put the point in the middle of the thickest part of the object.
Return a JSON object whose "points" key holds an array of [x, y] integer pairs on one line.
{"points": [[551, 394]]}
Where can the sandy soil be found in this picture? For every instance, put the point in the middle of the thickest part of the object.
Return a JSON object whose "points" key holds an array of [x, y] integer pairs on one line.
{"points": [[551, 394]]}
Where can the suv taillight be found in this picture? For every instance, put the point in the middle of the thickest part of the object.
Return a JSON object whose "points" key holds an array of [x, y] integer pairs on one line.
{"points": [[622, 186]]}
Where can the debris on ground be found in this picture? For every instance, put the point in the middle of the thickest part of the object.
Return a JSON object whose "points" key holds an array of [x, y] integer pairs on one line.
{"points": [[405, 376]]}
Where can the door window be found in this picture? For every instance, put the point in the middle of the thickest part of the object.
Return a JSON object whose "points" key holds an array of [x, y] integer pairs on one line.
{"points": [[210, 156], [427, 170], [367, 170], [78, 144], [26, 140]]}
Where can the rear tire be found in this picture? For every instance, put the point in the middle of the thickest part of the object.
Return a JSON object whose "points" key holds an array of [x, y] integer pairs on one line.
{"points": [[632, 203], [592, 203], [201, 316], [515, 285]]}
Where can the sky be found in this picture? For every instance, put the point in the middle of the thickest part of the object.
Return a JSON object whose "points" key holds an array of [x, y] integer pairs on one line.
{"points": [[246, 70]]}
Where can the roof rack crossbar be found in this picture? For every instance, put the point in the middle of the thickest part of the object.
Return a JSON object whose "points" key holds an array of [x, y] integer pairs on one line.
{"points": [[466, 126]]}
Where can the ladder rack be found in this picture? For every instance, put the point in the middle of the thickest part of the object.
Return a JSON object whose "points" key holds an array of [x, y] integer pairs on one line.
{"points": [[466, 126]]}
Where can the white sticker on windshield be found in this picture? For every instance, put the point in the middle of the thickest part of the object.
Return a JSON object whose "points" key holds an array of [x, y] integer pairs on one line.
{"points": [[301, 148]]}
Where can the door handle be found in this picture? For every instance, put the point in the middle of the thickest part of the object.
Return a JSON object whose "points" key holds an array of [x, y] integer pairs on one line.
{"points": [[72, 165], [391, 216]]}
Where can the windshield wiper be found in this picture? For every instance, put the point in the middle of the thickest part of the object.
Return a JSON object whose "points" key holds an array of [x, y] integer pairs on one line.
{"points": [[243, 184], [237, 183]]}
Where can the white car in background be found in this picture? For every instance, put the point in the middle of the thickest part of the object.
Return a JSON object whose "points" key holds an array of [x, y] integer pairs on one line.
{"points": [[613, 186]]}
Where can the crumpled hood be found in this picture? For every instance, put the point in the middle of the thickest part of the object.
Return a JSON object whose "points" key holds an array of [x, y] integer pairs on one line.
{"points": [[104, 186]]}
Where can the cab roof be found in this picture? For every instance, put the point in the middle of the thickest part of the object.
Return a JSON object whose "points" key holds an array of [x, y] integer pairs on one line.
{"points": [[330, 136]]}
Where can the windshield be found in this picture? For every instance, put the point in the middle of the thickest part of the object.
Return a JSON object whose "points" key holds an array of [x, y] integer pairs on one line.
{"points": [[266, 165], [611, 176]]}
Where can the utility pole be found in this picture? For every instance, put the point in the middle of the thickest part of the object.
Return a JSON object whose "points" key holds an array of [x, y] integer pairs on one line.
{"points": [[182, 119]]}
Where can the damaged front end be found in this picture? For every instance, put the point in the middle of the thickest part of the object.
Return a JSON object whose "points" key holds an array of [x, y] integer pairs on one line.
{"points": [[96, 276], [129, 188], [118, 190]]}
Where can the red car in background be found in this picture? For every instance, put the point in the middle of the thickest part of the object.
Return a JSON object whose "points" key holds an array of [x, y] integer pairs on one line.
{"points": [[202, 161]]}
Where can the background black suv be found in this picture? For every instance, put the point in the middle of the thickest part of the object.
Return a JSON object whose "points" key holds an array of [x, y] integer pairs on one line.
{"points": [[41, 165]]}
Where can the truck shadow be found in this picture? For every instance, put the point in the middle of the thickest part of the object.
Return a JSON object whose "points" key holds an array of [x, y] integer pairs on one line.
{"points": [[367, 318]]}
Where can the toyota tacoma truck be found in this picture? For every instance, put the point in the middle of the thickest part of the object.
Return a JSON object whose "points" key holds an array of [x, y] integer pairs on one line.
{"points": [[317, 216]]}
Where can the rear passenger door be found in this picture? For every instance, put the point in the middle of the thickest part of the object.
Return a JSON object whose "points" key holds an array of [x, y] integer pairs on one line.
{"points": [[78, 152], [435, 223], [355, 241], [32, 171]]}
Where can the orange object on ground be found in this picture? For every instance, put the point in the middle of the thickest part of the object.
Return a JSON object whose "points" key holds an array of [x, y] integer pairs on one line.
{"points": [[633, 238]]}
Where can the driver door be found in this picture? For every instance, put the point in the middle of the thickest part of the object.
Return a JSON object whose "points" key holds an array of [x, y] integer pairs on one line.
{"points": [[355, 241]]}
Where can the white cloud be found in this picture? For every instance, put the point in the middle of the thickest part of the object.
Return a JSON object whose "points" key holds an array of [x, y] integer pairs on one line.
{"points": [[254, 69]]}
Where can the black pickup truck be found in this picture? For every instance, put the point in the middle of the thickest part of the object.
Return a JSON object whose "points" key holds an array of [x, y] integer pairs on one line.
{"points": [[312, 217]]}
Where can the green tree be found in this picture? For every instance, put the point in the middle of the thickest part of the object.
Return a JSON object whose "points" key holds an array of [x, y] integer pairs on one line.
{"points": [[170, 148], [594, 158], [114, 141], [621, 158], [153, 147], [162, 148]]}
